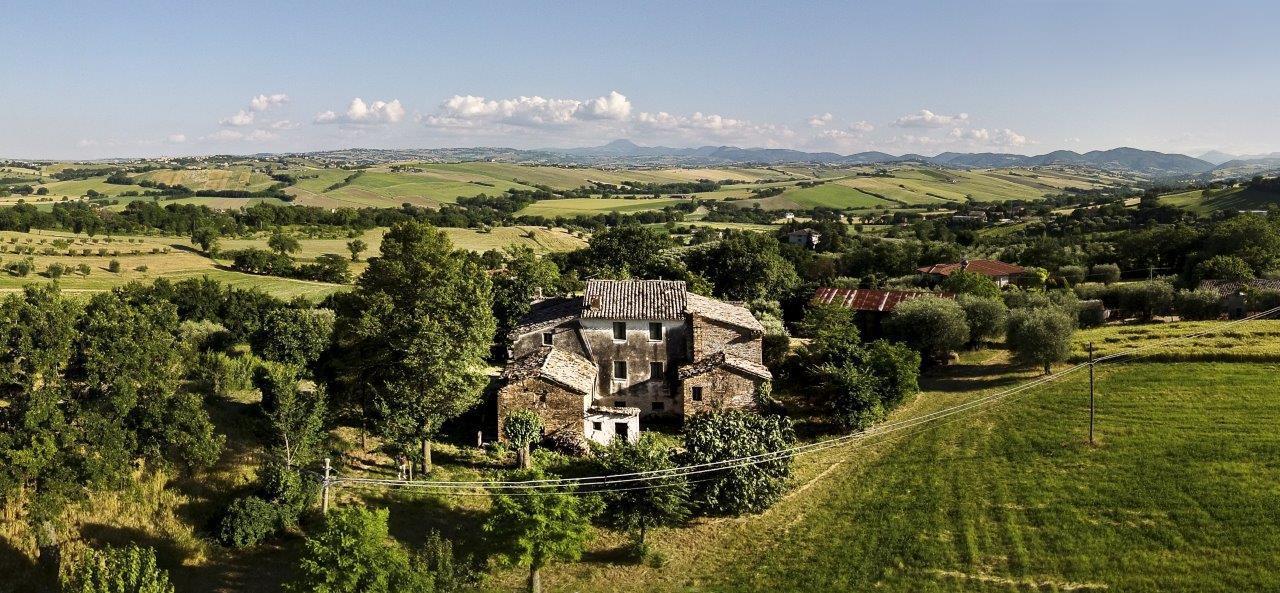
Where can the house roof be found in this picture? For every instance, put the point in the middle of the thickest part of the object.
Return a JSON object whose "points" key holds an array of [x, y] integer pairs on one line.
{"points": [[612, 411], [558, 366], [805, 231], [724, 312], [866, 299], [634, 299], [986, 267], [720, 359], [547, 313], [1226, 287]]}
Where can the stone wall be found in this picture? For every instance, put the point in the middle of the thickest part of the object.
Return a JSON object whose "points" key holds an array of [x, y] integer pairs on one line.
{"points": [[560, 409], [639, 389], [722, 389], [710, 337], [564, 337]]}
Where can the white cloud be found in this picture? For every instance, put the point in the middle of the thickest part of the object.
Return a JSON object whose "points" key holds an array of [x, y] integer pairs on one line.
{"points": [[995, 137], [613, 106], [240, 119], [359, 112], [469, 110], [265, 102], [86, 142], [928, 119], [177, 138], [260, 136], [284, 124], [818, 121], [861, 126]]}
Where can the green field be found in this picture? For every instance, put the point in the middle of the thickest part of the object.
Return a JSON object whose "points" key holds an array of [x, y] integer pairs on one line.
{"points": [[1235, 198], [590, 206]]}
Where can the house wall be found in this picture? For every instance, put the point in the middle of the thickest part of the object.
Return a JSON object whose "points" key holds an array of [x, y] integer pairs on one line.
{"points": [[560, 409], [722, 389], [609, 427], [638, 390], [564, 337], [710, 337]]}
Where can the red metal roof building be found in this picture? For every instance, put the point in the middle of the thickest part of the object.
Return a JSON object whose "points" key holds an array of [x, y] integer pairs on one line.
{"points": [[999, 271], [871, 305]]}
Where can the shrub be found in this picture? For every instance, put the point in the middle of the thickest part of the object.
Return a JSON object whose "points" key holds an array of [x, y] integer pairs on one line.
{"points": [[247, 521], [54, 271], [288, 490], [114, 266], [720, 436], [932, 325], [354, 553], [851, 396], [985, 316], [1147, 299], [1092, 313], [1090, 291], [130, 569], [1264, 300], [963, 282], [1073, 275], [1200, 304]]}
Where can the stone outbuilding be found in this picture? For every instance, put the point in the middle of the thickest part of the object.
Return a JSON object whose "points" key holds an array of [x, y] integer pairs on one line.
{"points": [[626, 350]]}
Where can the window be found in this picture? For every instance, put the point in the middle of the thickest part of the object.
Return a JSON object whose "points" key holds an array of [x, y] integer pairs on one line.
{"points": [[620, 428], [655, 371], [620, 330], [620, 370], [659, 406], [597, 426], [697, 394], [619, 404], [546, 338], [655, 331]]}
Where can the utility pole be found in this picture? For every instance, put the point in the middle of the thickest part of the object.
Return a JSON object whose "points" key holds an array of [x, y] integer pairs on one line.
{"points": [[1091, 393], [324, 506]]}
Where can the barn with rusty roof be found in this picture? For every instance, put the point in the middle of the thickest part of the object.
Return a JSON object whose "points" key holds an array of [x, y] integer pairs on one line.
{"points": [[645, 348], [870, 306]]}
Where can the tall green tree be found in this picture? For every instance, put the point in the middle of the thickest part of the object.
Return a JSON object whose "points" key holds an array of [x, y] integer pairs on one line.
{"points": [[356, 247], [295, 416], [664, 501], [294, 336], [282, 243], [722, 436], [537, 527], [746, 266], [414, 334], [354, 553], [518, 282]]}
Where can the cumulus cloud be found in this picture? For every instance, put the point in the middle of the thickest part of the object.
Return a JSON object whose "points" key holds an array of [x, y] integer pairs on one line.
{"points": [[928, 119], [359, 112], [994, 137], [260, 136], [613, 106], [861, 126], [818, 121], [265, 102], [240, 119]]}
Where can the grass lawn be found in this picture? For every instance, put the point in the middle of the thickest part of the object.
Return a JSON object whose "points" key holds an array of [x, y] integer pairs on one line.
{"points": [[1206, 201], [590, 206], [1180, 495]]}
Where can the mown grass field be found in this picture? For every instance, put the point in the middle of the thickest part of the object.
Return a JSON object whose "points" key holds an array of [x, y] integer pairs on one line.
{"points": [[1256, 340], [1236, 198], [591, 206]]}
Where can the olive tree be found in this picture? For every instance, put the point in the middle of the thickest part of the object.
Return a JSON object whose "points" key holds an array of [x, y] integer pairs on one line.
{"points": [[934, 326], [1041, 336], [986, 317]]}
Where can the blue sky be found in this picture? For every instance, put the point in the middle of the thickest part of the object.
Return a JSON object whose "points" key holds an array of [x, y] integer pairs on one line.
{"points": [[88, 80]]}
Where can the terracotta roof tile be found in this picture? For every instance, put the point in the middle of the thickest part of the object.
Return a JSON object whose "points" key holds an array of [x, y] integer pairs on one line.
{"points": [[986, 267], [634, 299]]}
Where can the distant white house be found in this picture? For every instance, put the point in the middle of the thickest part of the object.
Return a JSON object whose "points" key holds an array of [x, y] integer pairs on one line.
{"points": [[807, 238]]}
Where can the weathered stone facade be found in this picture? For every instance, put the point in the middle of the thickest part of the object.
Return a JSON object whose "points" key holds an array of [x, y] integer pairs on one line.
{"points": [[645, 347]]}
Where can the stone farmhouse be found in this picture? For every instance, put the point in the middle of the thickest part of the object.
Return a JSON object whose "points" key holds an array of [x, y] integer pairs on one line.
{"points": [[594, 366]]}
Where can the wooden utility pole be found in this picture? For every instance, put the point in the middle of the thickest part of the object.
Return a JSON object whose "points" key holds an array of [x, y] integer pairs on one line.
{"points": [[324, 505], [1091, 393]]}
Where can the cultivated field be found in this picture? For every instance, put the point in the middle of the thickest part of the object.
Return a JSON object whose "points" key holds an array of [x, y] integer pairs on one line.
{"points": [[1235, 198]]}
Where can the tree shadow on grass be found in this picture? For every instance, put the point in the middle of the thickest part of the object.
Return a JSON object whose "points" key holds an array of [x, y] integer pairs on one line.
{"points": [[413, 516], [209, 490], [971, 377], [19, 573]]}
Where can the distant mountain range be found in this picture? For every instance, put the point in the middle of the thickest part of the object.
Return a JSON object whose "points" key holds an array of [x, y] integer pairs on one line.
{"points": [[627, 153], [1218, 157]]}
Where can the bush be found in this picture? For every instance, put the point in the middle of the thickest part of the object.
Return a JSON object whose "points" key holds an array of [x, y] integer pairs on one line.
{"points": [[55, 271], [1147, 299], [1264, 299], [290, 492], [247, 521], [1073, 275], [118, 570], [963, 282], [1091, 291], [354, 553], [1092, 314], [720, 436], [1104, 273], [986, 317], [932, 325], [1196, 305], [221, 373]]}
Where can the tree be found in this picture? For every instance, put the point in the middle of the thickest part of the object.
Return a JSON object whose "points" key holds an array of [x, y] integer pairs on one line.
{"points": [[295, 416], [206, 238], [537, 526], [986, 317], [294, 336], [628, 250], [1073, 275], [851, 395], [964, 282], [1224, 267], [1251, 238], [721, 436], [1105, 273], [1041, 336], [833, 333], [934, 326], [356, 247], [1146, 299], [1201, 304], [663, 502], [414, 334], [745, 266], [283, 244], [83, 269], [515, 286], [130, 569], [354, 553], [896, 369], [522, 428]]}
